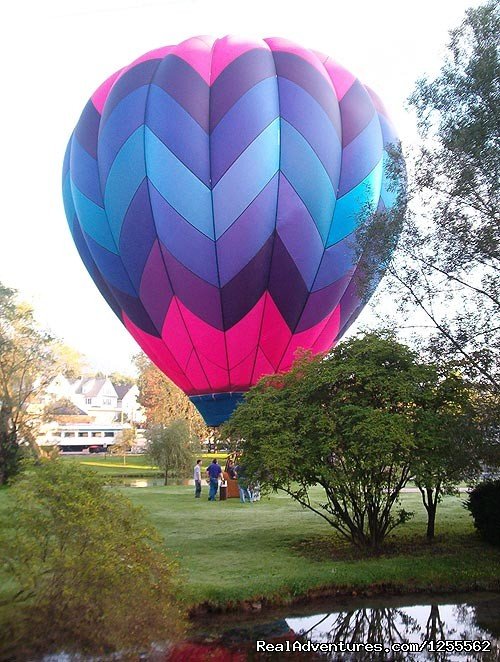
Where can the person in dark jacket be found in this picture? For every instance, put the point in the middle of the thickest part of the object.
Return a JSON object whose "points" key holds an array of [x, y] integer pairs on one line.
{"points": [[231, 470], [214, 471]]}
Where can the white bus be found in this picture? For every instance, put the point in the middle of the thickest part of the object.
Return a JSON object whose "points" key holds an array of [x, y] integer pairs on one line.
{"points": [[77, 437]]}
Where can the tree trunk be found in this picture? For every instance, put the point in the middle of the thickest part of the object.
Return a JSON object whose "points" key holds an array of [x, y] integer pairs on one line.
{"points": [[9, 457], [3, 476], [431, 513], [434, 629], [166, 476], [430, 499], [9, 447], [431, 523]]}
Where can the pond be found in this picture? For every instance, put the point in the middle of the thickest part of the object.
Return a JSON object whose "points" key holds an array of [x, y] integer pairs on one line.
{"points": [[145, 481], [444, 628], [451, 628]]}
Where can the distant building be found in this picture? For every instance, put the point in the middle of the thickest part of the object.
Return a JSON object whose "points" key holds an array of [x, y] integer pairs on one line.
{"points": [[128, 404], [80, 436], [98, 398], [87, 409]]}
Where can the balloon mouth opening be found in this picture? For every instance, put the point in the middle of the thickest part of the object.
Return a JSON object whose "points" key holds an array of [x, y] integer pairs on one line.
{"points": [[216, 408]]}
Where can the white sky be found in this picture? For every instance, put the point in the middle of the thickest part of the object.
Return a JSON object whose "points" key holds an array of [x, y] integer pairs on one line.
{"points": [[56, 52]]}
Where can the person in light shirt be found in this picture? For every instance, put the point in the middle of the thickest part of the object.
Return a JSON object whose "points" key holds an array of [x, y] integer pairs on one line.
{"points": [[197, 479]]}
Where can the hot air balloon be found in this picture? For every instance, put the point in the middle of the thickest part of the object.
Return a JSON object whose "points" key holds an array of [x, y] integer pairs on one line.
{"points": [[213, 190]]}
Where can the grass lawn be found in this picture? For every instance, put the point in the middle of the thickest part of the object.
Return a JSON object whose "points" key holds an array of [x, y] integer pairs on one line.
{"points": [[275, 550], [113, 466], [134, 465]]}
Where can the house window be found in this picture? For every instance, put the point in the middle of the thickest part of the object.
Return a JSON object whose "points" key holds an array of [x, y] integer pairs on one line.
{"points": [[106, 401], [88, 401]]}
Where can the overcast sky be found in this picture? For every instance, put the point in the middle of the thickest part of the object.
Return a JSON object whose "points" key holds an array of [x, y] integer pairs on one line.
{"points": [[56, 52]]}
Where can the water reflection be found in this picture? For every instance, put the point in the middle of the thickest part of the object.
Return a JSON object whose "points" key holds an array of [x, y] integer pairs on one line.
{"points": [[393, 630], [151, 482], [399, 630]]}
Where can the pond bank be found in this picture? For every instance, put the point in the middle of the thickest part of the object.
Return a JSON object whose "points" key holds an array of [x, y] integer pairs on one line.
{"points": [[342, 593]]}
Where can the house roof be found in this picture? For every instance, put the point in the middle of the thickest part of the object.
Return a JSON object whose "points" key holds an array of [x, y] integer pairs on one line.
{"points": [[122, 390], [90, 387], [64, 408]]}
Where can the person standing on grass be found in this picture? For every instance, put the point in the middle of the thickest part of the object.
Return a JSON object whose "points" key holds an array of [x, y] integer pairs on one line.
{"points": [[243, 484], [213, 472], [197, 479], [231, 469]]}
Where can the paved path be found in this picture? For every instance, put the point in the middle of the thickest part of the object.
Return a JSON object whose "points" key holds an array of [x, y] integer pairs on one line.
{"points": [[415, 490]]}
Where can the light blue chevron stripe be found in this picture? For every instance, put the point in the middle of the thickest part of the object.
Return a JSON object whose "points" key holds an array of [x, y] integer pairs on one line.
{"points": [[178, 131], [126, 174], [67, 155], [177, 184], [305, 172], [360, 156], [84, 172], [111, 267], [242, 123], [125, 118], [69, 205], [300, 109], [352, 207], [93, 219], [246, 178]]}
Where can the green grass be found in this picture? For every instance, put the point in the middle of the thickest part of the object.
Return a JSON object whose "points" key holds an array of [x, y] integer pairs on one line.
{"points": [[274, 550], [134, 465]]}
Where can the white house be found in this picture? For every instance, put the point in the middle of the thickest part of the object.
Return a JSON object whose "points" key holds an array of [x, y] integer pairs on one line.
{"points": [[127, 403], [99, 411], [97, 397]]}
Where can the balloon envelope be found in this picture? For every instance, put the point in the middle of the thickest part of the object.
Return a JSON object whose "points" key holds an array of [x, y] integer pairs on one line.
{"points": [[213, 190]]}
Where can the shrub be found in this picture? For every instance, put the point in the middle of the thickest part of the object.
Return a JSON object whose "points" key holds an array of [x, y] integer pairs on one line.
{"points": [[344, 422], [89, 572], [484, 506]]}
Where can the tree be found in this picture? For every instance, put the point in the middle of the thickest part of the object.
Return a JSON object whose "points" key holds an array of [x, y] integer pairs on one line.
{"points": [[71, 362], [171, 447], [449, 438], [163, 401], [344, 422], [27, 364], [447, 262], [119, 379], [87, 573], [484, 506], [124, 441]]}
